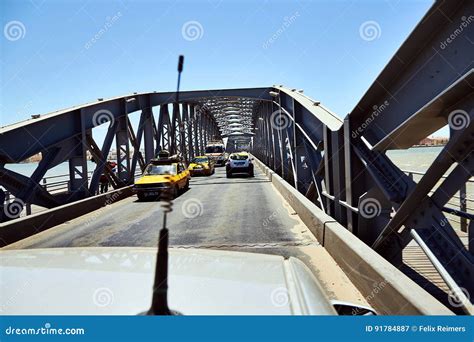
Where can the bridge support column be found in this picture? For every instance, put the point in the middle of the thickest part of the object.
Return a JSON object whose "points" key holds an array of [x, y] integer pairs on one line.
{"points": [[205, 128], [195, 125], [187, 127], [136, 143], [78, 176], [164, 128], [201, 131], [181, 133], [269, 130], [123, 149], [148, 134]]}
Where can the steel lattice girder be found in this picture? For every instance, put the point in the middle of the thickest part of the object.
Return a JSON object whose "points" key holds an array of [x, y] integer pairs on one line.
{"points": [[338, 164], [355, 168]]}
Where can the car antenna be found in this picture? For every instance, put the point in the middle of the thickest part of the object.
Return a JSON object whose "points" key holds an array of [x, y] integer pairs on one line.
{"points": [[159, 303]]}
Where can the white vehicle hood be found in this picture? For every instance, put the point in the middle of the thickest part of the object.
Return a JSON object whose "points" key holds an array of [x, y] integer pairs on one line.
{"points": [[118, 281]]}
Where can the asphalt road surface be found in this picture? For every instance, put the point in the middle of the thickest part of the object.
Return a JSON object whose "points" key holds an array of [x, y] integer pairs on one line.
{"points": [[242, 214], [216, 211]]}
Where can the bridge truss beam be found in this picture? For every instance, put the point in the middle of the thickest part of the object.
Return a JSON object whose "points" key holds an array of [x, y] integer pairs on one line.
{"points": [[341, 165]]}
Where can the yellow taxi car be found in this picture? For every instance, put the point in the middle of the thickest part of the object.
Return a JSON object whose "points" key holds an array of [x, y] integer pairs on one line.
{"points": [[201, 165], [161, 174]]}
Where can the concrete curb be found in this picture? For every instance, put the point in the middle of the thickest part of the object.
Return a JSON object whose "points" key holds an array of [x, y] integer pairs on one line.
{"points": [[391, 291], [24, 227], [265, 169], [385, 287]]}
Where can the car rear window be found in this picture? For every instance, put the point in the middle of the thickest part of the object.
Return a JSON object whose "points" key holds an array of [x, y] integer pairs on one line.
{"points": [[160, 170], [214, 149], [238, 157]]}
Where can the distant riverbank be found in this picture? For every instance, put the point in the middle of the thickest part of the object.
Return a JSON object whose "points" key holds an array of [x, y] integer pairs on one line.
{"points": [[413, 159]]}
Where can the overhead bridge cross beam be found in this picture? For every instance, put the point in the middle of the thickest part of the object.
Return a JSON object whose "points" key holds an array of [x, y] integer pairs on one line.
{"points": [[340, 165], [68, 136]]}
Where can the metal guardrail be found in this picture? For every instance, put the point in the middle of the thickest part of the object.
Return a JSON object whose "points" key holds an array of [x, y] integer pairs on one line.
{"points": [[56, 186], [459, 204]]}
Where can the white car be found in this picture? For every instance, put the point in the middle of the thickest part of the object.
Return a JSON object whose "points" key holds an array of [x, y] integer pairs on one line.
{"points": [[240, 162], [119, 281]]}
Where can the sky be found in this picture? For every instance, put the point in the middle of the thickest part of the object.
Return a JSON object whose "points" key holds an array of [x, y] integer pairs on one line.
{"points": [[57, 54]]}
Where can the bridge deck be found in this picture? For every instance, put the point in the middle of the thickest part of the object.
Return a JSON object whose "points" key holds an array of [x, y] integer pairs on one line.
{"points": [[245, 214]]}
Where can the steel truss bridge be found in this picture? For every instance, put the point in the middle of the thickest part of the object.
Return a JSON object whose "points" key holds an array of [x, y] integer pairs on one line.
{"points": [[339, 164]]}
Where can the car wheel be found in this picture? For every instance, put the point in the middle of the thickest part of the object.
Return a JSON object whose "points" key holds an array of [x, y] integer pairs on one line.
{"points": [[228, 174], [140, 196], [186, 187]]}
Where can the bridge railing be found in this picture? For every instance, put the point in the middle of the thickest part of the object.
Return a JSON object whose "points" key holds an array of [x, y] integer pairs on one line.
{"points": [[53, 184], [460, 206]]}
